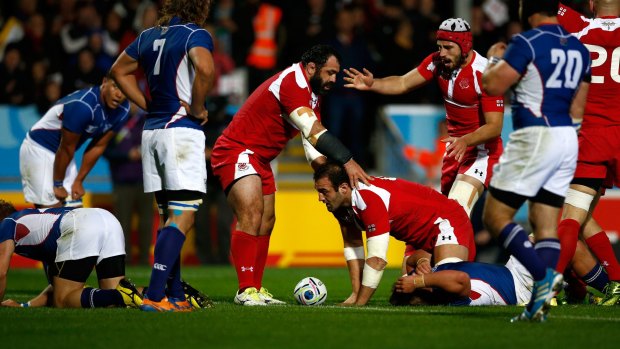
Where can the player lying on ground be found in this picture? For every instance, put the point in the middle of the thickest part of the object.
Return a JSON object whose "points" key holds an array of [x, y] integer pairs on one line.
{"points": [[472, 283], [421, 217]]}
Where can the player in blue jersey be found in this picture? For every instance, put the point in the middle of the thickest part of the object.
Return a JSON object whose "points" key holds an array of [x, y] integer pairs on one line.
{"points": [[46, 157], [176, 57], [550, 71], [70, 242]]}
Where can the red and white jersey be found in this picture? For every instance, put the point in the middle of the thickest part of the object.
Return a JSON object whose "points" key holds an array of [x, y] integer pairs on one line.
{"points": [[602, 38], [261, 125], [464, 98], [408, 211]]}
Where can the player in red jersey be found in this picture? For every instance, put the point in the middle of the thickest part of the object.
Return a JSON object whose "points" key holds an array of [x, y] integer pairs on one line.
{"points": [[283, 106], [598, 165], [418, 215], [474, 118]]}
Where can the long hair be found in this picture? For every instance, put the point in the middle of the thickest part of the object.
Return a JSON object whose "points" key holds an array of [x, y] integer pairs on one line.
{"points": [[189, 11]]}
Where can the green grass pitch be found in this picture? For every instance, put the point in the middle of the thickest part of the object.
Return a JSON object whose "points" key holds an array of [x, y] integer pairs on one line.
{"points": [[378, 325]]}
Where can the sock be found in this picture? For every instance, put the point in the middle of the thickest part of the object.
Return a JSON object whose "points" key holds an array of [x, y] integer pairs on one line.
{"points": [[167, 251], [568, 233], [596, 277], [575, 289], [243, 249], [549, 251], [96, 298], [515, 241], [261, 259], [601, 247], [174, 286]]}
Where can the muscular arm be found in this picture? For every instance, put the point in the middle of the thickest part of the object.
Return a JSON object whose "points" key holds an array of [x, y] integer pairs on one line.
{"points": [[579, 103], [391, 85], [123, 74], [91, 155], [353, 238], [497, 79], [454, 282], [6, 251], [202, 60], [373, 268]]}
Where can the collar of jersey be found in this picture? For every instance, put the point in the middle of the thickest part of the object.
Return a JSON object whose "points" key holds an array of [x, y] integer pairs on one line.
{"points": [[174, 20]]}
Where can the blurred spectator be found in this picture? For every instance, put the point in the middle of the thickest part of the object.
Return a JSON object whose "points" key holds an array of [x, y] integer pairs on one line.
{"points": [[10, 31], [15, 82], [85, 74], [75, 35], [125, 159], [51, 93], [345, 108]]}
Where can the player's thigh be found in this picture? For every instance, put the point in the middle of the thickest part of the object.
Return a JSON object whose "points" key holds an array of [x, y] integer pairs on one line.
{"points": [[68, 277], [110, 271], [544, 219], [536, 157], [246, 199]]}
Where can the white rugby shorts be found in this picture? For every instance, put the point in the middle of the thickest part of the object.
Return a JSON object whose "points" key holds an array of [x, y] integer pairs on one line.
{"points": [[523, 280], [174, 159], [537, 157], [88, 232], [36, 167]]}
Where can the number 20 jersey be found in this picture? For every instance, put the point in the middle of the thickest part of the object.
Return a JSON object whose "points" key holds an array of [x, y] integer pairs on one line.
{"points": [[552, 64], [602, 38]]}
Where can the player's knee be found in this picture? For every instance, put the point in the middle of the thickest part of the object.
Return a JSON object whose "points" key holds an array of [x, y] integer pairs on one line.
{"points": [[465, 193], [578, 199]]}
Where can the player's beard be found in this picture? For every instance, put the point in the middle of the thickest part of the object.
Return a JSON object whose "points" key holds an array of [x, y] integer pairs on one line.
{"points": [[318, 86]]}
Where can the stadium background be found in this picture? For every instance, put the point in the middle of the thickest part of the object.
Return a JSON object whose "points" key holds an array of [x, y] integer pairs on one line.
{"points": [[305, 234]]}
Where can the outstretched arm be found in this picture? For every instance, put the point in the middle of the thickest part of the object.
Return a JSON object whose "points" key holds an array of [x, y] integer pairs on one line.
{"points": [[91, 155], [391, 85]]}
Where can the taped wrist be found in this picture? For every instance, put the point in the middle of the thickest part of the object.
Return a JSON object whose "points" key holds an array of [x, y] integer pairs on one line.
{"points": [[330, 146], [351, 253]]}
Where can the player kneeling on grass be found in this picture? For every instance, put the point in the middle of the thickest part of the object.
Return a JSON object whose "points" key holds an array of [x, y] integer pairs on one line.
{"points": [[70, 243], [418, 215]]}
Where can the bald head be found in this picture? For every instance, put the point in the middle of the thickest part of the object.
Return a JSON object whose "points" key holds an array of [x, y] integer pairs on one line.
{"points": [[606, 7]]}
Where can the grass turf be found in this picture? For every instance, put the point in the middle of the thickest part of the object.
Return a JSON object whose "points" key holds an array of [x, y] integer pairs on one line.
{"points": [[378, 325]]}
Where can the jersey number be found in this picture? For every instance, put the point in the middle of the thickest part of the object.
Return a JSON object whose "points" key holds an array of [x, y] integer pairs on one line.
{"points": [[614, 68], [567, 63], [158, 45]]}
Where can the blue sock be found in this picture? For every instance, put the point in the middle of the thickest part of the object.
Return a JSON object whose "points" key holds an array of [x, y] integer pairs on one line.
{"points": [[597, 277], [514, 239], [96, 298], [175, 288], [549, 251], [167, 251]]}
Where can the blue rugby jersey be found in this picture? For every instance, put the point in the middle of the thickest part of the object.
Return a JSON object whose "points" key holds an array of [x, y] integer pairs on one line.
{"points": [[497, 277], [34, 231], [82, 112], [552, 63], [163, 52]]}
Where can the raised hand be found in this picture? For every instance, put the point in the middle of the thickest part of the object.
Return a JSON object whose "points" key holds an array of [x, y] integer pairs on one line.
{"points": [[358, 80]]}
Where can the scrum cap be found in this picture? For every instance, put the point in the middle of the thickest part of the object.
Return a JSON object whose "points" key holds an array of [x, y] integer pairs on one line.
{"points": [[458, 31]]}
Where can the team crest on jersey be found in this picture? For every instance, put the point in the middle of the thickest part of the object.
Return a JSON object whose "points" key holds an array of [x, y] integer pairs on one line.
{"points": [[242, 166], [464, 83]]}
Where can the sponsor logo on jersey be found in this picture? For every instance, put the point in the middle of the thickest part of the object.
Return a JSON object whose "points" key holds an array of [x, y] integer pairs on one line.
{"points": [[561, 11]]}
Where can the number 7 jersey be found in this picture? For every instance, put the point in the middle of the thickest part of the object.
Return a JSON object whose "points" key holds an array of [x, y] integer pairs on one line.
{"points": [[552, 64], [602, 38]]}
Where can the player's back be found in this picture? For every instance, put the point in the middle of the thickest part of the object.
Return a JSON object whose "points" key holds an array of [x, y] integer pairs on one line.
{"points": [[35, 232], [162, 51], [552, 63], [602, 38]]}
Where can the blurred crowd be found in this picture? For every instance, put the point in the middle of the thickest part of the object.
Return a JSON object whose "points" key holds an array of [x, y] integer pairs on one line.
{"points": [[49, 48]]}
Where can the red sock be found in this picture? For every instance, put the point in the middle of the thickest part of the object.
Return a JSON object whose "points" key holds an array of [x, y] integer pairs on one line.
{"points": [[243, 248], [568, 233], [601, 246], [261, 260]]}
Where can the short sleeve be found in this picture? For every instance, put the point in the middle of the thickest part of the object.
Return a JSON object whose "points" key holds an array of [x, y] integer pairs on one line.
{"points": [[133, 49], [570, 19], [518, 54], [490, 103], [292, 96], [200, 38], [427, 67], [7, 229], [375, 217], [76, 116]]}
